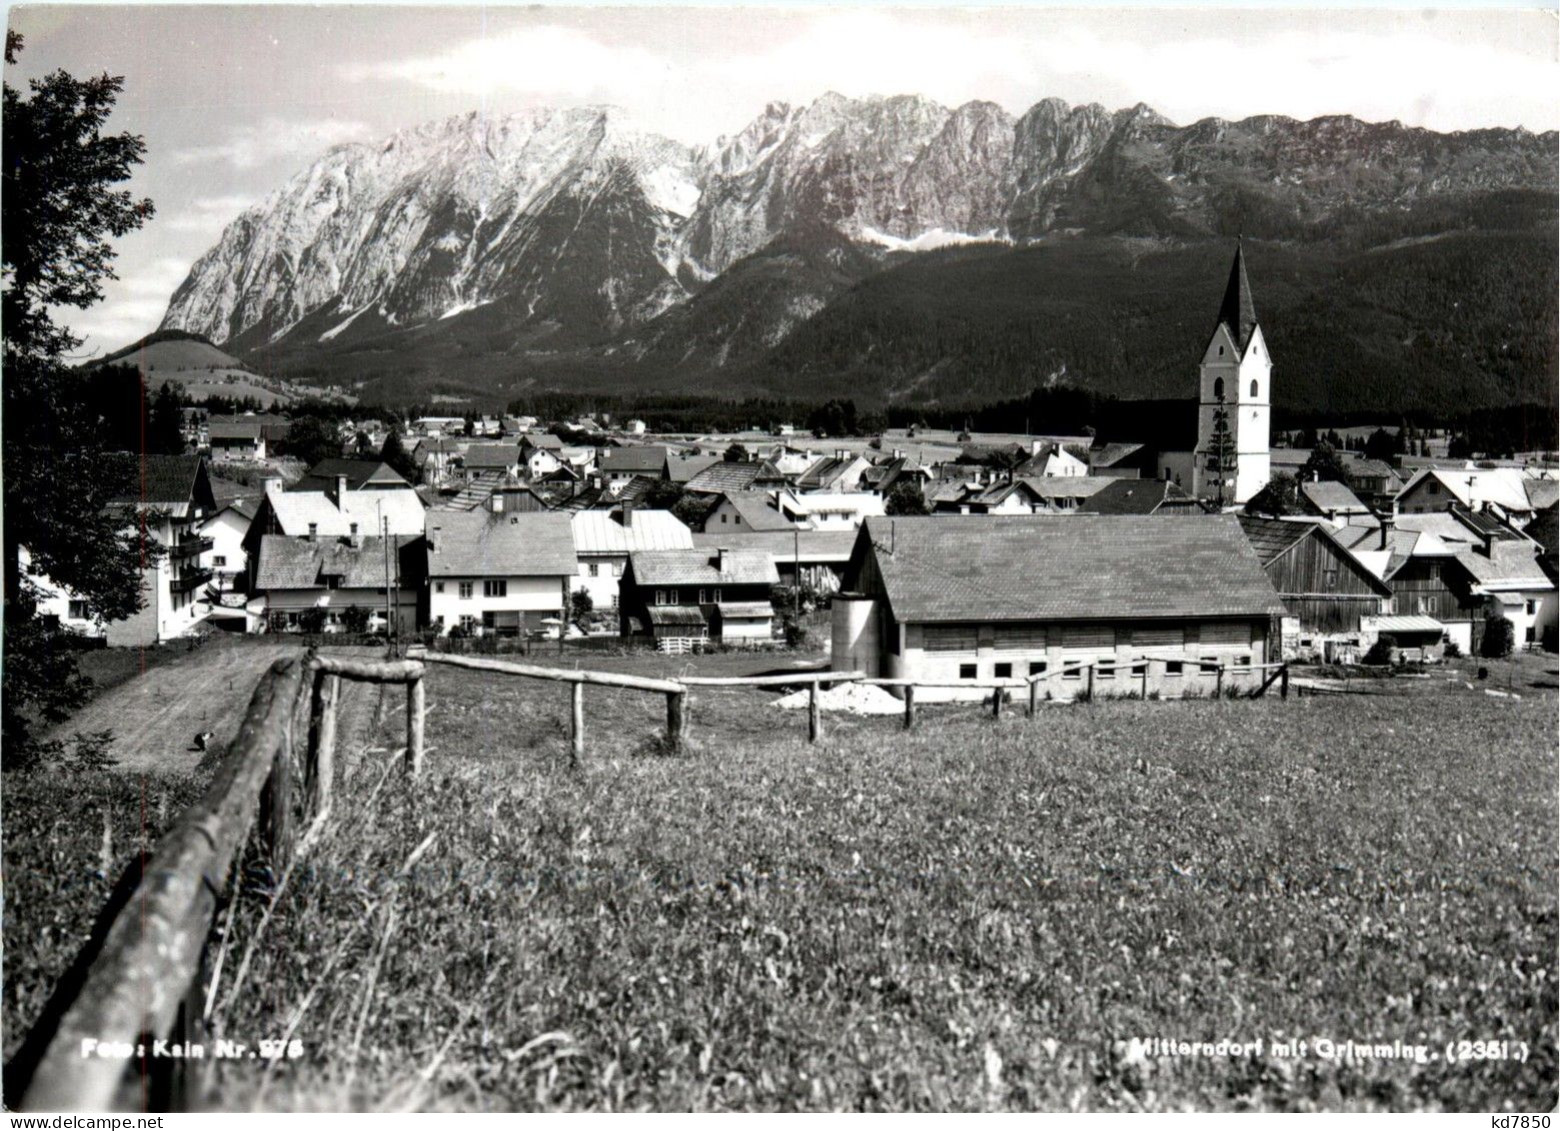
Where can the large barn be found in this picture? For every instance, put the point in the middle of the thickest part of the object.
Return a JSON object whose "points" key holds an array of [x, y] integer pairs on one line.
{"points": [[950, 599]]}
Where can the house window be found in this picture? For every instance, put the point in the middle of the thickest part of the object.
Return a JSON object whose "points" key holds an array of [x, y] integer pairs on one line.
{"points": [[1218, 384], [78, 610], [966, 671], [1003, 671], [1532, 607], [333, 583], [617, 569], [950, 638], [1172, 667], [723, 520], [1426, 605], [1105, 671], [1330, 578], [1208, 665], [438, 587], [465, 592], [595, 569], [703, 597], [1532, 633], [219, 559], [1253, 391], [1037, 667], [495, 588], [1242, 661], [467, 622], [717, 596], [314, 528]]}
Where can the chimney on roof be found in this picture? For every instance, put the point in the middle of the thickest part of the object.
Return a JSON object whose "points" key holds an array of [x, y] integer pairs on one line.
{"points": [[496, 502], [341, 489], [899, 453], [628, 514], [435, 535], [722, 556], [314, 530], [354, 539], [273, 483], [842, 453], [1387, 521]]}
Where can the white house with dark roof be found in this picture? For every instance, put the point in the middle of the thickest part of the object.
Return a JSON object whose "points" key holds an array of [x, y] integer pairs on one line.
{"points": [[721, 593], [170, 497], [740, 512], [336, 513], [311, 583], [619, 465], [502, 572], [604, 539], [950, 599]]}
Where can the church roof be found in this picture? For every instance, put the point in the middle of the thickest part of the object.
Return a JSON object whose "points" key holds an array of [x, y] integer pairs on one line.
{"points": [[1237, 311]]}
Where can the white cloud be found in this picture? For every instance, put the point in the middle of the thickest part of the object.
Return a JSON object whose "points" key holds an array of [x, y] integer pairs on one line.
{"points": [[132, 306], [546, 61], [249, 146], [209, 214], [1188, 67]]}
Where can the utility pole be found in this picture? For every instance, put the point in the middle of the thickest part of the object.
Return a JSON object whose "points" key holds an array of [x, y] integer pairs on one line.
{"points": [[384, 538], [796, 575]]}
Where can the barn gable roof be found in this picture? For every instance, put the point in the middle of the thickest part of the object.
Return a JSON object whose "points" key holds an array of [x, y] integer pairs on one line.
{"points": [[1067, 567]]}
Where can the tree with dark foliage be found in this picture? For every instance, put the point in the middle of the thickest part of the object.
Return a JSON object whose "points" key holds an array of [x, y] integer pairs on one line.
{"points": [[61, 210], [1279, 497], [311, 439], [395, 454], [1325, 465], [905, 497]]}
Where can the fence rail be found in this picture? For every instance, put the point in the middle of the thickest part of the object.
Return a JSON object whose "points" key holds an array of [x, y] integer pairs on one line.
{"points": [[146, 981], [678, 691]]}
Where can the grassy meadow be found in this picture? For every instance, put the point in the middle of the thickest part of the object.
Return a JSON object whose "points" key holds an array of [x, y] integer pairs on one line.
{"points": [[976, 915]]}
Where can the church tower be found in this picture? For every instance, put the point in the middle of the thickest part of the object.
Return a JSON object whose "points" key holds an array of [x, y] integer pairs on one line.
{"points": [[1234, 403]]}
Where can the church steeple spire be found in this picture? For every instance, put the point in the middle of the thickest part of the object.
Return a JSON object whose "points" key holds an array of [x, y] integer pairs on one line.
{"points": [[1237, 311]]}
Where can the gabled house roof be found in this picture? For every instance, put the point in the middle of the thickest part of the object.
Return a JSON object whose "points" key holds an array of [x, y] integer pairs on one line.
{"points": [[682, 467], [1272, 538], [638, 459], [1112, 454], [1328, 496], [723, 477], [481, 543], [1506, 487], [544, 440], [757, 510], [826, 472], [1065, 567], [620, 532], [1509, 565], [234, 430], [703, 567], [1137, 496], [489, 456], [293, 511], [167, 482], [360, 473], [782, 546], [298, 563], [1542, 493]]}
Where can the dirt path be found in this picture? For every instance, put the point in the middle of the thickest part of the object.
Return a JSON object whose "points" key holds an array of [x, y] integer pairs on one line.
{"points": [[156, 715]]}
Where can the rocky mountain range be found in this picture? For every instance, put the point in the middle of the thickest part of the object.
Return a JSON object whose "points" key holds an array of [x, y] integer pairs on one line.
{"points": [[527, 245]]}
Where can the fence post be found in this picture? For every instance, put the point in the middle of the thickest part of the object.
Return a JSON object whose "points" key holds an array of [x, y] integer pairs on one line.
{"points": [[1090, 692], [909, 705], [416, 711], [276, 803], [1283, 682], [814, 714], [1218, 682], [576, 723], [674, 719], [996, 702], [320, 770], [1034, 698], [1145, 681]]}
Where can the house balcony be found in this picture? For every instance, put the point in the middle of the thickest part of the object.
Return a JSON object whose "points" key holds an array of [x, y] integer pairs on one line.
{"points": [[190, 580], [188, 544]]}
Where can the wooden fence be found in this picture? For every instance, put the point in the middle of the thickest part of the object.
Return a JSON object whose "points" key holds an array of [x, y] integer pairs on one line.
{"points": [[95, 1049], [678, 691]]}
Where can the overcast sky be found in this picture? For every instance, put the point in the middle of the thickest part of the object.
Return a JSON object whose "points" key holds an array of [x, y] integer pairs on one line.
{"points": [[233, 100]]}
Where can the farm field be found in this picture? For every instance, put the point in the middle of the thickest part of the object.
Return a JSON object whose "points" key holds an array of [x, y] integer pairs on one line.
{"points": [[975, 915]]}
